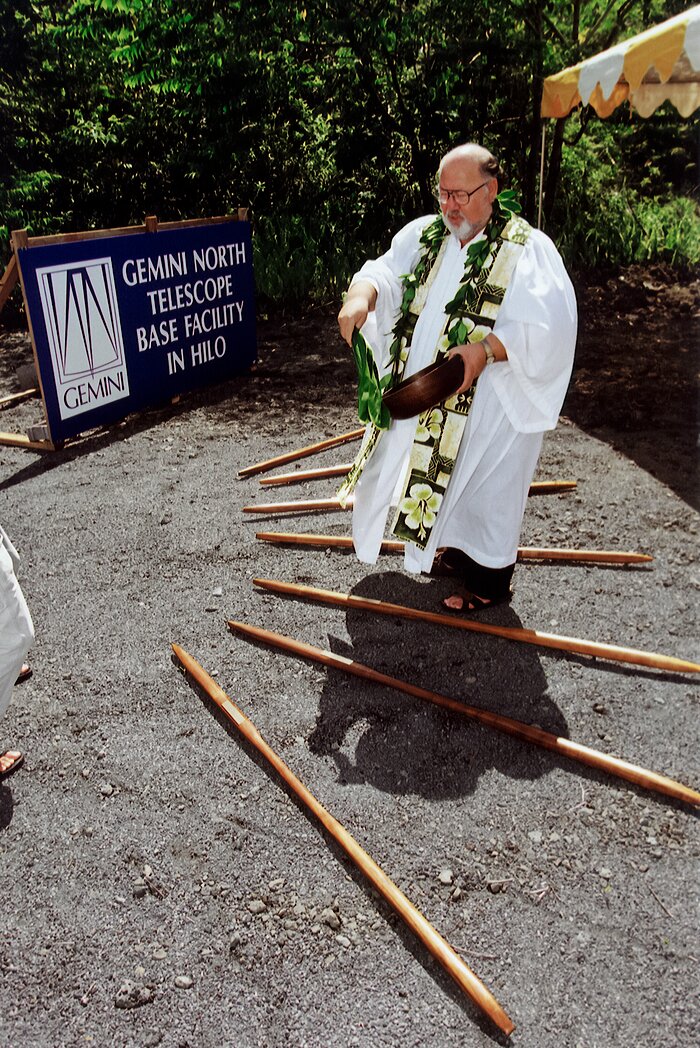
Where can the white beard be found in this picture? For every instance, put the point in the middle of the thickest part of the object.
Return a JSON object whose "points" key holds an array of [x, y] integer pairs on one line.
{"points": [[464, 230]]}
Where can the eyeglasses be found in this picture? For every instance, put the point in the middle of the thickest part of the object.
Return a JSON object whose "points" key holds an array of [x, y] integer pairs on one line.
{"points": [[460, 196]]}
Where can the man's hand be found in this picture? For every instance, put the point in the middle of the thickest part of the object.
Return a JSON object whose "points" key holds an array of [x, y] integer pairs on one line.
{"points": [[359, 301], [474, 356], [474, 360]]}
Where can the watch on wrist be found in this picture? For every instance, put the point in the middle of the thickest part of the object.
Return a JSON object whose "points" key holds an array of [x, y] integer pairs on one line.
{"points": [[490, 359]]}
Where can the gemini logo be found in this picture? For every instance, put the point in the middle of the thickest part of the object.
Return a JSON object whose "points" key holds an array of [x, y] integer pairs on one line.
{"points": [[81, 313]]}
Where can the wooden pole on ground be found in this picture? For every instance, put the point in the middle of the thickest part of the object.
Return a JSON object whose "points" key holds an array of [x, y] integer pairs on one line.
{"points": [[298, 476], [17, 440], [593, 556], [311, 449], [556, 743], [668, 663], [300, 506], [439, 947], [17, 398], [332, 505]]}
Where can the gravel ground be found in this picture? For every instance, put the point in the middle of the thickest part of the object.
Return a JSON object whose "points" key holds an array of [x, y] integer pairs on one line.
{"points": [[162, 886]]}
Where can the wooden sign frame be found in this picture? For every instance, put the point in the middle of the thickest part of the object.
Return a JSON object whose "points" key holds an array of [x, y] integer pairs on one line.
{"points": [[39, 438]]}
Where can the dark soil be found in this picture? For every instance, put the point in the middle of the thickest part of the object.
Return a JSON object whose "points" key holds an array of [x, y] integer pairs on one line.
{"points": [[162, 886], [635, 383]]}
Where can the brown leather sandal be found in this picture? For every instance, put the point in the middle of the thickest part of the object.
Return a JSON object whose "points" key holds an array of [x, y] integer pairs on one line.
{"points": [[474, 603]]}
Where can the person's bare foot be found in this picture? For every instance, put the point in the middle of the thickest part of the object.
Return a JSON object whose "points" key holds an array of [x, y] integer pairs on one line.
{"points": [[25, 673], [10, 761]]}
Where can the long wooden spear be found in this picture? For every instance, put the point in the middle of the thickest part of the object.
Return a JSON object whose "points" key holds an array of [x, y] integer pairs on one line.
{"points": [[557, 743], [545, 640], [300, 506], [292, 456], [297, 476], [588, 556], [17, 398], [440, 949]]}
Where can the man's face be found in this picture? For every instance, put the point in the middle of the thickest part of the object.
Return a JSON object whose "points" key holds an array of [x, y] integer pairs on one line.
{"points": [[467, 219]]}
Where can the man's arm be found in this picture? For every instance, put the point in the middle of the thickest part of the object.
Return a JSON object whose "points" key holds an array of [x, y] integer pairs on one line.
{"points": [[359, 301]]}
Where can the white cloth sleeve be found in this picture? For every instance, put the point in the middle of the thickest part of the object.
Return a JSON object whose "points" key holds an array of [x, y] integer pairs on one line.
{"points": [[384, 274], [537, 325]]}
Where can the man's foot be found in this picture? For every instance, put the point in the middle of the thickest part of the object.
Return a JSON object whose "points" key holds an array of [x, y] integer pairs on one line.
{"points": [[468, 602], [10, 761], [25, 673]]}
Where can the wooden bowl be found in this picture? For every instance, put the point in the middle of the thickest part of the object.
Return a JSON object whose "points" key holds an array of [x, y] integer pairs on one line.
{"points": [[425, 389]]}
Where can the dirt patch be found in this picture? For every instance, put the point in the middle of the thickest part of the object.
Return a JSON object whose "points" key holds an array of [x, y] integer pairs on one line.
{"points": [[635, 381], [160, 885]]}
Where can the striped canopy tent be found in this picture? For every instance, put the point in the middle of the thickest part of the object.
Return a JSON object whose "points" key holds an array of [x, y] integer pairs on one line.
{"points": [[659, 65]]}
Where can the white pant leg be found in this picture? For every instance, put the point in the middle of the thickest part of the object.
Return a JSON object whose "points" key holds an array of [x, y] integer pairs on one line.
{"points": [[16, 628]]}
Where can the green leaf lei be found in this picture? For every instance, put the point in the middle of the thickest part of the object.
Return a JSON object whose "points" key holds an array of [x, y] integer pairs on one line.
{"points": [[370, 387], [504, 207]]}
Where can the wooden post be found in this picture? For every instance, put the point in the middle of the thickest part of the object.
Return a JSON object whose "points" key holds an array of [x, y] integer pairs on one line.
{"points": [[8, 281], [17, 440], [19, 240]]}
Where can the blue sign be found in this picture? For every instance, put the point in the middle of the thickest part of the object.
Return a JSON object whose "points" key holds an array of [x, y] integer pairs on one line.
{"points": [[121, 323]]}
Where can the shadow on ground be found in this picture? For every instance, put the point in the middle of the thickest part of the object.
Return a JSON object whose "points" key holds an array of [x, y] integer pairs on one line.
{"points": [[402, 744]]}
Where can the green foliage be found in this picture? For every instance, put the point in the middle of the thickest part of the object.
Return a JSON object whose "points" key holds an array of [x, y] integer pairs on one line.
{"points": [[293, 256], [611, 211], [670, 230], [636, 229], [327, 119], [370, 406]]}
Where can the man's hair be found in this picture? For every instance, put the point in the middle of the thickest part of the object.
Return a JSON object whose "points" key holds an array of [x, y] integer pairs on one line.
{"points": [[488, 164], [491, 167]]}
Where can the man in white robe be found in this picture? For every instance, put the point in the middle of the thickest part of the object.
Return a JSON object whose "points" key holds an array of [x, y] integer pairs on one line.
{"points": [[523, 369]]}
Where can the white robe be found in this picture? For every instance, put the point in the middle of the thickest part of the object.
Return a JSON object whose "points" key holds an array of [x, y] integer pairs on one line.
{"points": [[516, 400], [16, 629]]}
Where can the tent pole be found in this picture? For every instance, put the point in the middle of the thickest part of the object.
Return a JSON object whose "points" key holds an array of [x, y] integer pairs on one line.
{"points": [[539, 205]]}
